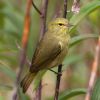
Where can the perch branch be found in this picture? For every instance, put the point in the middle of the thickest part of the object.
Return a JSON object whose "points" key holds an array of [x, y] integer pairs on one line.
{"points": [[58, 82], [60, 66]]}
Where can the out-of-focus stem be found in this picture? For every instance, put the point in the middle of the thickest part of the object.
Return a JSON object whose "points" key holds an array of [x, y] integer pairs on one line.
{"points": [[25, 38], [43, 15], [94, 71]]}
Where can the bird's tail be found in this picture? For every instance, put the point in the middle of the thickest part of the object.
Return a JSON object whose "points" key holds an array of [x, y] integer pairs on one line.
{"points": [[25, 83]]}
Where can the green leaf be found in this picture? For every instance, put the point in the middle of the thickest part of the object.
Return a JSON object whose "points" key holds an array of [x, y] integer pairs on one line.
{"points": [[15, 18], [96, 91], [1, 21], [11, 32], [80, 38], [7, 70], [2, 5], [71, 93], [85, 10]]}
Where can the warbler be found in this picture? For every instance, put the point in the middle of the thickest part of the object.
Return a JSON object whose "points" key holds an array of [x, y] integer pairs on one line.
{"points": [[50, 51]]}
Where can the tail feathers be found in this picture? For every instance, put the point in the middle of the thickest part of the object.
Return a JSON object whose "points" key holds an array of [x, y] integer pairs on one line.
{"points": [[27, 80]]}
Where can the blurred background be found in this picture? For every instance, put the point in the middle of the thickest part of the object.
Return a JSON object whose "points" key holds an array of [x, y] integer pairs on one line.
{"points": [[78, 63]]}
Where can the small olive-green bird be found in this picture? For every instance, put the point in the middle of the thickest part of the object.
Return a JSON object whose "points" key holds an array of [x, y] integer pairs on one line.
{"points": [[51, 50]]}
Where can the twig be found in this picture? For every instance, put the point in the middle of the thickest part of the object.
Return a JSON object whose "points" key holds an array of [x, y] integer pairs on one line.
{"points": [[94, 71], [42, 32], [36, 8], [60, 66], [24, 47], [53, 71]]}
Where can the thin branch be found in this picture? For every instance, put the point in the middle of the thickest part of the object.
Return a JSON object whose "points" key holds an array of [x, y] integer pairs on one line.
{"points": [[36, 8], [94, 71], [42, 32], [60, 66], [43, 17], [65, 9], [24, 47], [58, 82]]}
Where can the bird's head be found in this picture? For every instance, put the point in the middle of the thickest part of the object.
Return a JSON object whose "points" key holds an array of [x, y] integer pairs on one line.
{"points": [[59, 24]]}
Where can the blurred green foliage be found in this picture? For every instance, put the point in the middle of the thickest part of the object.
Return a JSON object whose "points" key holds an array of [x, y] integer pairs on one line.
{"points": [[86, 26], [96, 91]]}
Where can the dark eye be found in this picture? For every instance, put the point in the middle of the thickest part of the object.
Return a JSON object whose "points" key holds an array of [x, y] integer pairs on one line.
{"points": [[61, 24]]}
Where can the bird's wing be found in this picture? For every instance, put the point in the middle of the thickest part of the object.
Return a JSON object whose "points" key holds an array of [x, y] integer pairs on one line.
{"points": [[45, 53]]}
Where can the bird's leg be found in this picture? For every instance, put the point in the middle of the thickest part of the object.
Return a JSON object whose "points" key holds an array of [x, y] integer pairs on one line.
{"points": [[54, 71]]}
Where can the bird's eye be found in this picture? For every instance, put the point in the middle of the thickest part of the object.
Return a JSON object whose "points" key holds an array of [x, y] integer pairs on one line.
{"points": [[61, 24]]}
